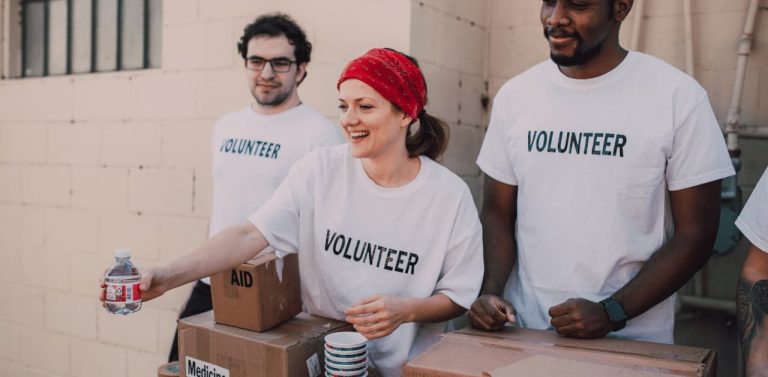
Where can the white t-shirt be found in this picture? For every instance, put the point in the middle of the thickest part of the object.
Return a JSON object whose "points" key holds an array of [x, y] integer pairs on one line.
{"points": [[356, 239], [593, 160], [252, 153], [753, 220]]}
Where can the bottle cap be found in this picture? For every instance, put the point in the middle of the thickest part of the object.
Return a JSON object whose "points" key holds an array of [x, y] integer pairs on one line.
{"points": [[122, 253]]}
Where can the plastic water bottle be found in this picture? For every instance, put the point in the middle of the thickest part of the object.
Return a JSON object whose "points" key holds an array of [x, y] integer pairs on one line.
{"points": [[123, 295]]}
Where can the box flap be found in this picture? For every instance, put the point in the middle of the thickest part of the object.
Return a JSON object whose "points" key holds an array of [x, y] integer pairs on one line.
{"points": [[458, 357], [523, 352], [290, 333], [610, 345], [546, 366]]}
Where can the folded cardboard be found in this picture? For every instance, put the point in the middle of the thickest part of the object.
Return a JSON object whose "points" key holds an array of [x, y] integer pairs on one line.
{"points": [[293, 349], [533, 353], [259, 294]]}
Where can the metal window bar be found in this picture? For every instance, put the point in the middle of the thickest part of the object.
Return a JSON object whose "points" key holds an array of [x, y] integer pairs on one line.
{"points": [[119, 34], [94, 27], [23, 39], [69, 36], [145, 57], [46, 35]]}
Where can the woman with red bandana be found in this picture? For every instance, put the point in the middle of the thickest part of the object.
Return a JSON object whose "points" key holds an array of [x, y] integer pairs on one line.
{"points": [[388, 239]]}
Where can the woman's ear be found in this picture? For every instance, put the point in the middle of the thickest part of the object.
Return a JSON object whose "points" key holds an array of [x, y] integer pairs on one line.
{"points": [[406, 121]]}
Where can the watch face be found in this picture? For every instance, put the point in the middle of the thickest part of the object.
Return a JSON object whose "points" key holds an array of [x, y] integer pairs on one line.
{"points": [[615, 312]]}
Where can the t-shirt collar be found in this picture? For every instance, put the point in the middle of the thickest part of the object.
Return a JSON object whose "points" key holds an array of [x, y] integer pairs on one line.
{"points": [[371, 186], [620, 70]]}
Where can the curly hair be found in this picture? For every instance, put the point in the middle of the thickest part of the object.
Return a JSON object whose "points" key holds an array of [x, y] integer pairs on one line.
{"points": [[274, 25]]}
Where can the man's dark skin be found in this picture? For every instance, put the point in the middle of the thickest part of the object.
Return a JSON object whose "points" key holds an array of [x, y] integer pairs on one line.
{"points": [[584, 41]]}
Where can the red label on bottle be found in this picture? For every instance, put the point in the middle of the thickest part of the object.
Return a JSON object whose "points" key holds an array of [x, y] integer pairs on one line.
{"points": [[123, 293]]}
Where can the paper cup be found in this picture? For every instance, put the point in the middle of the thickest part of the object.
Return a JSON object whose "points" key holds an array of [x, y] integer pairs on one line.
{"points": [[345, 341], [345, 359], [343, 352], [338, 370], [345, 366], [327, 374]]}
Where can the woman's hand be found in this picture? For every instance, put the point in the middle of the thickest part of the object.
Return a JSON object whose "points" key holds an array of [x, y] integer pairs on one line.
{"points": [[152, 284], [378, 316]]}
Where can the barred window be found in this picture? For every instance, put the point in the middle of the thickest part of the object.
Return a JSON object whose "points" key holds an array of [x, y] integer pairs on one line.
{"points": [[61, 37]]}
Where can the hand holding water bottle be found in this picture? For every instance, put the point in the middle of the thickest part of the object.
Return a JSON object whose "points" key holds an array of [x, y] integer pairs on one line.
{"points": [[124, 285]]}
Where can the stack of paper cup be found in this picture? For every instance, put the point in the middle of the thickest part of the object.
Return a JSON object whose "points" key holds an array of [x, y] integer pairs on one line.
{"points": [[346, 355]]}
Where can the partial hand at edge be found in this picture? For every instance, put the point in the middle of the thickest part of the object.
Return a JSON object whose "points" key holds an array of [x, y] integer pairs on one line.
{"points": [[491, 312], [580, 318]]}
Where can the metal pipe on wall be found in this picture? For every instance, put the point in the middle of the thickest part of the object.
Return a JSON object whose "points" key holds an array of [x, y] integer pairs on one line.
{"points": [[688, 24], [745, 46], [753, 132], [636, 26], [4, 32]]}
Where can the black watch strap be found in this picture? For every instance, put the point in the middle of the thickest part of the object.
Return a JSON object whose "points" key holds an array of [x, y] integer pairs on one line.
{"points": [[616, 314]]}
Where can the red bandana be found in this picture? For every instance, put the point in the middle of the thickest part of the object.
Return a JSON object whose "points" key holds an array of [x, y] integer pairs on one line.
{"points": [[393, 75]]}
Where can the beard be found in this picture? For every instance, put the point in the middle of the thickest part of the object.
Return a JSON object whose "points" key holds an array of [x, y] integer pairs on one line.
{"points": [[273, 98], [580, 56]]}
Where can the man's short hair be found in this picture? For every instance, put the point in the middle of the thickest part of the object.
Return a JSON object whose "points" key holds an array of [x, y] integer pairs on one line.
{"points": [[275, 25]]}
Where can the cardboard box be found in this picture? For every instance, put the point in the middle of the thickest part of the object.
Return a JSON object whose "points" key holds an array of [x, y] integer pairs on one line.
{"points": [[259, 294], [293, 349], [532, 353]]}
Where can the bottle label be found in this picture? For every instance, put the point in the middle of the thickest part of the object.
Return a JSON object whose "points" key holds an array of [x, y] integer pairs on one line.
{"points": [[123, 293]]}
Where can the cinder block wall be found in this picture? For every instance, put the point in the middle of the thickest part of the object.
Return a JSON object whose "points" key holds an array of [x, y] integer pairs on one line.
{"points": [[93, 162], [450, 39]]}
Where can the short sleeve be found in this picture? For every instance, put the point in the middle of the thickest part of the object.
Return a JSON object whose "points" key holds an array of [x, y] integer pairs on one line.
{"points": [[698, 152], [278, 218], [462, 271], [753, 220], [494, 158]]}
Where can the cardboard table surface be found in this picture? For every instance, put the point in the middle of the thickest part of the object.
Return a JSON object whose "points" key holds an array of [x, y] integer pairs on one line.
{"points": [[525, 352]]}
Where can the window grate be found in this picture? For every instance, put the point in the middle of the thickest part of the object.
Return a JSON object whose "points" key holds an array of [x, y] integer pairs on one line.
{"points": [[121, 35]]}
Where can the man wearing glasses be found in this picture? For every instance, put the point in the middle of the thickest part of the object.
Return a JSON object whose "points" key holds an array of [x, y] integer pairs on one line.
{"points": [[254, 148]]}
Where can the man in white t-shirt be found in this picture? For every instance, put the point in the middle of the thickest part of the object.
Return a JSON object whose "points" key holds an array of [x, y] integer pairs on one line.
{"points": [[254, 148], [602, 192], [753, 284]]}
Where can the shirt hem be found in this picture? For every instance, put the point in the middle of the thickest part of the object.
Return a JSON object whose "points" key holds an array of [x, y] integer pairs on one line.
{"points": [[451, 295], [751, 235], [701, 179], [495, 174]]}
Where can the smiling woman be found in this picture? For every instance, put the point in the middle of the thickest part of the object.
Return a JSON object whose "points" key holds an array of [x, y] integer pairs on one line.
{"points": [[388, 239], [374, 71]]}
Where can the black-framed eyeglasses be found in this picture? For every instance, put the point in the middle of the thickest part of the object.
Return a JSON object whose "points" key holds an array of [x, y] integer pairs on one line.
{"points": [[279, 65]]}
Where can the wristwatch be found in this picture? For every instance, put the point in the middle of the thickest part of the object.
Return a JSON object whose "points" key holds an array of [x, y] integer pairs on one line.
{"points": [[616, 314]]}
